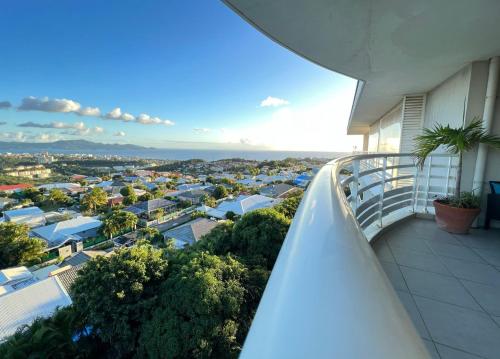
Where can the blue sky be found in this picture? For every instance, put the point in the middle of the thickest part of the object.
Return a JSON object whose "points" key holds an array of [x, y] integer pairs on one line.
{"points": [[183, 74]]}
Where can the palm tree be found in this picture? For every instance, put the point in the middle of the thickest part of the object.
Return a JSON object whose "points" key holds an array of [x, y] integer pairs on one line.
{"points": [[149, 233], [456, 141], [95, 199], [109, 227]]}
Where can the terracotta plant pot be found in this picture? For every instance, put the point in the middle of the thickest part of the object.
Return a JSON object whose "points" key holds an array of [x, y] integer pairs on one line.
{"points": [[453, 219]]}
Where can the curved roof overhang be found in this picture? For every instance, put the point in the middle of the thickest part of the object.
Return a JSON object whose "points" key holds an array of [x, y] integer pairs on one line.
{"points": [[393, 47]]}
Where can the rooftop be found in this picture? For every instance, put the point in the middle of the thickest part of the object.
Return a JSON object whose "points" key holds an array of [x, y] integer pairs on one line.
{"points": [[22, 306], [55, 234], [449, 285], [191, 232]]}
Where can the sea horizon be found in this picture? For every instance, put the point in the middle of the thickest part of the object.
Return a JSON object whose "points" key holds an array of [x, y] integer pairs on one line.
{"points": [[187, 154]]}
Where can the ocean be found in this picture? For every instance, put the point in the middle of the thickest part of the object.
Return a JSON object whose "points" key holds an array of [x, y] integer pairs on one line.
{"points": [[212, 155], [186, 154]]}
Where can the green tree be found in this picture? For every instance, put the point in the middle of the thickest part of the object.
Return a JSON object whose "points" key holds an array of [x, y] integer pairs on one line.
{"points": [[145, 197], [230, 215], [118, 221], [289, 205], [199, 310], [17, 248], [258, 236], [94, 199], [130, 199], [151, 234], [116, 294], [127, 191], [58, 197], [52, 338], [208, 201], [220, 192]]}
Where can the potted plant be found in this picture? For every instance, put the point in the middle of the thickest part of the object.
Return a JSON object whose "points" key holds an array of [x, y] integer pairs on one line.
{"points": [[455, 213]]}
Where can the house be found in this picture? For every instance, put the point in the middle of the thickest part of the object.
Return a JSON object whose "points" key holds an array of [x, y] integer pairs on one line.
{"points": [[211, 212], [12, 276], [5, 201], [67, 275], [21, 307], [163, 180], [190, 186], [244, 204], [302, 180], [11, 188], [31, 216], [146, 208], [93, 180], [191, 232], [193, 197], [75, 229], [250, 182], [115, 199], [62, 186], [280, 190]]}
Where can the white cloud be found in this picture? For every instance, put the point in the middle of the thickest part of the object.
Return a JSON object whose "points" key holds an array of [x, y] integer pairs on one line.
{"points": [[273, 102], [86, 131], [89, 111], [45, 104], [19, 136], [127, 117], [201, 130], [63, 105], [146, 119], [56, 124], [120, 134], [114, 114]]}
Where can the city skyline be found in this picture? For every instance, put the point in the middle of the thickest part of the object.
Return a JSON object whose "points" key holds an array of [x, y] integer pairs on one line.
{"points": [[163, 75]]}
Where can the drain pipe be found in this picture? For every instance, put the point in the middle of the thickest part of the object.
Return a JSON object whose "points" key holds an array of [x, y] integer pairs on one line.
{"points": [[488, 114]]}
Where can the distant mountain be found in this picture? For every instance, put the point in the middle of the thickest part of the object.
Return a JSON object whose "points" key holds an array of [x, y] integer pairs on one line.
{"points": [[67, 145]]}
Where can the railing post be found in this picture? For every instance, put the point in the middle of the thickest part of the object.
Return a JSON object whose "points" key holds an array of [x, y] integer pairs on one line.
{"points": [[415, 189], [447, 188], [355, 185], [381, 197], [427, 185]]}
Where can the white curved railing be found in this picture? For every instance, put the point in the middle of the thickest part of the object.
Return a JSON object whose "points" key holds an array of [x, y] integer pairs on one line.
{"points": [[328, 296]]}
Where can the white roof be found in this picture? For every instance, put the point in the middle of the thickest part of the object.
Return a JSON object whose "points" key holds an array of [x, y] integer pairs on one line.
{"points": [[14, 274], [50, 186], [44, 272], [57, 233], [25, 212], [243, 204], [104, 184], [22, 306]]}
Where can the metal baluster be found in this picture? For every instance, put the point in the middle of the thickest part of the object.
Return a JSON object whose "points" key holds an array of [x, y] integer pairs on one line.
{"points": [[381, 198], [355, 186], [427, 184], [447, 188]]}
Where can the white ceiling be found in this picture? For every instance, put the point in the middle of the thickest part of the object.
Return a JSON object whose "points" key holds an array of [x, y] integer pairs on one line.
{"points": [[395, 47]]}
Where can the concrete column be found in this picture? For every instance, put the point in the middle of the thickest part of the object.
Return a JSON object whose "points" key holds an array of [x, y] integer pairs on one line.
{"points": [[366, 138], [488, 114]]}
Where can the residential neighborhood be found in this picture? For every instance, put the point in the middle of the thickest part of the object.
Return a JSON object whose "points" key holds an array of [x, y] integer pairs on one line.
{"points": [[81, 217]]}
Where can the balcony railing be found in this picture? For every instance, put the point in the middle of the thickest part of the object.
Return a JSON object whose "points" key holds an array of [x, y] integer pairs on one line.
{"points": [[328, 296]]}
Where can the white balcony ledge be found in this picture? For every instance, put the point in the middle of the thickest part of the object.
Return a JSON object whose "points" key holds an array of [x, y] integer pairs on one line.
{"points": [[328, 295]]}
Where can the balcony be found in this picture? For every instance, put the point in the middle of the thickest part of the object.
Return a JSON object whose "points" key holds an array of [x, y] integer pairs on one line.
{"points": [[362, 274], [449, 285]]}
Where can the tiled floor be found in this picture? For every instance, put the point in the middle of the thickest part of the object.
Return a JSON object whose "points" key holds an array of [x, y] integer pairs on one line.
{"points": [[449, 284]]}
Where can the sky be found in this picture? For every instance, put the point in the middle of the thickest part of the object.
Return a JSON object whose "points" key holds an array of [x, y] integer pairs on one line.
{"points": [[166, 74]]}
